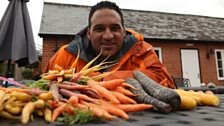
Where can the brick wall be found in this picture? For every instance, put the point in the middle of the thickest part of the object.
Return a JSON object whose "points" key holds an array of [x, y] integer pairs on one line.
{"points": [[50, 46], [172, 58], [170, 54]]}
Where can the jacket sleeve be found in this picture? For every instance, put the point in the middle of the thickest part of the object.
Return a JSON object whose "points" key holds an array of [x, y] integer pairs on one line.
{"points": [[149, 64]]}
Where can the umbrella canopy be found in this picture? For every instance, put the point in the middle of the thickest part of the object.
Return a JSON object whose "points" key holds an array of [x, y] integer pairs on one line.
{"points": [[16, 36]]}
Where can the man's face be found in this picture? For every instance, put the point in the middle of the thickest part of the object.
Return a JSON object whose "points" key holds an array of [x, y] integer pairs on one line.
{"points": [[106, 32]]}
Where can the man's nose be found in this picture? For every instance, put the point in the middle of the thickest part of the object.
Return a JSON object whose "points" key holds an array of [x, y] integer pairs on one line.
{"points": [[108, 34]]}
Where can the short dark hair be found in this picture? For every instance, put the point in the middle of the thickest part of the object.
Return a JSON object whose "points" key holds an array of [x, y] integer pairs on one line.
{"points": [[105, 4]]}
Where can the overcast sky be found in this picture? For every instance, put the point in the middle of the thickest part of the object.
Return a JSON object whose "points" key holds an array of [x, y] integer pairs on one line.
{"points": [[212, 8]]}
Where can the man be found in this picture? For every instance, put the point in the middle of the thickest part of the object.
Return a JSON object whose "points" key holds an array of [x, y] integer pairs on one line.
{"points": [[106, 32]]}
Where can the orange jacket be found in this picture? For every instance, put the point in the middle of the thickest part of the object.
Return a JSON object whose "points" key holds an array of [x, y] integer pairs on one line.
{"points": [[140, 56]]}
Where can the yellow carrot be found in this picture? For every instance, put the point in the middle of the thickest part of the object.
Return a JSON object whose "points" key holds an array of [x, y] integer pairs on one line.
{"points": [[76, 60]]}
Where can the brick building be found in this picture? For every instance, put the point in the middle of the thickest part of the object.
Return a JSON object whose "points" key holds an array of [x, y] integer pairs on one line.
{"points": [[189, 46]]}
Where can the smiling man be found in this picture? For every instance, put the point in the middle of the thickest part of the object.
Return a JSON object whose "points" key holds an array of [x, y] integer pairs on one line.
{"points": [[106, 32]]}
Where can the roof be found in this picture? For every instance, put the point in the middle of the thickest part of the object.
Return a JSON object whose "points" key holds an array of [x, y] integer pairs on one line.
{"points": [[67, 19]]}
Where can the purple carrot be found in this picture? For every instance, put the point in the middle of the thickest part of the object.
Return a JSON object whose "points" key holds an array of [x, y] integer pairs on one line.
{"points": [[70, 83], [75, 78], [72, 87], [14, 82], [55, 91], [90, 92], [66, 93]]}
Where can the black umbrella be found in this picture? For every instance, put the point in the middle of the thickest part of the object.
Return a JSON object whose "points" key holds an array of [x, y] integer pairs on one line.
{"points": [[16, 36]]}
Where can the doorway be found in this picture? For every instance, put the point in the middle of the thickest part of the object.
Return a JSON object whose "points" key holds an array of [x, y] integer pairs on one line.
{"points": [[190, 66]]}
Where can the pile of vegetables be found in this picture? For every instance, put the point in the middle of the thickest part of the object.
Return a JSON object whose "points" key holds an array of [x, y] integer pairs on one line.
{"points": [[165, 99], [72, 96]]}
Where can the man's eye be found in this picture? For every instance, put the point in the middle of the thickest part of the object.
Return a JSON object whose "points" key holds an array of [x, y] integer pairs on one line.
{"points": [[115, 28], [99, 29]]}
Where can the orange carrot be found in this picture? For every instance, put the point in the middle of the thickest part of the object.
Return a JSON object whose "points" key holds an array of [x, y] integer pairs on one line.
{"points": [[59, 79], [98, 111], [123, 98], [124, 91], [50, 77], [114, 111], [111, 84], [69, 110], [73, 100], [133, 107], [57, 67], [128, 85], [58, 111], [102, 91]]}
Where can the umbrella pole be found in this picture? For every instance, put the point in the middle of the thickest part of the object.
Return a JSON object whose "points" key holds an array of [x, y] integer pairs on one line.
{"points": [[8, 73]]}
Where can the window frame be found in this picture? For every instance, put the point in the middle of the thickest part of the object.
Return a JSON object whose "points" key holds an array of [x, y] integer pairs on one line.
{"points": [[160, 53], [216, 62]]}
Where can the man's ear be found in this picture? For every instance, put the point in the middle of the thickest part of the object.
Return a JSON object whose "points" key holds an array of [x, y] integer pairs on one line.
{"points": [[124, 32], [88, 33]]}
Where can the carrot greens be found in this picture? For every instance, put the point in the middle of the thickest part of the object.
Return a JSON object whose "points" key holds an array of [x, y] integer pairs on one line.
{"points": [[81, 116]]}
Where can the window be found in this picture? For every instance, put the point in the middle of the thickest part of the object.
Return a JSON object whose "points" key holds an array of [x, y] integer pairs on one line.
{"points": [[158, 52], [219, 56]]}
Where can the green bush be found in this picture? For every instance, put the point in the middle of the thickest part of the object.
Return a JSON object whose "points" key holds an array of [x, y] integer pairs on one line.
{"points": [[27, 73]]}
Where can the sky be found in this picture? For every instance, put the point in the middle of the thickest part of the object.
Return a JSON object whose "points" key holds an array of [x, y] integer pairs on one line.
{"points": [[211, 8]]}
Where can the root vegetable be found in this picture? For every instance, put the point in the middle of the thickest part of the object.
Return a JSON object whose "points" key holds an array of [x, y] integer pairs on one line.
{"points": [[7, 115], [158, 91], [21, 96], [39, 104], [27, 112], [47, 114], [187, 103], [143, 97]]}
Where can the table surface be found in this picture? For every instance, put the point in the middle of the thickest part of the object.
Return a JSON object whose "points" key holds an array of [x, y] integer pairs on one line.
{"points": [[199, 116]]}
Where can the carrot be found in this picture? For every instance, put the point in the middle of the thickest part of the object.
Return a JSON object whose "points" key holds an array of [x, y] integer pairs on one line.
{"points": [[47, 114], [123, 99], [90, 92], [55, 92], [8, 115], [98, 111], [2, 95], [133, 107], [50, 77], [128, 85], [71, 87], [59, 79], [143, 97], [58, 111], [14, 82], [111, 84], [27, 111], [102, 91], [68, 93], [114, 111], [124, 91], [76, 77], [73, 100], [57, 67], [77, 57], [158, 91]]}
